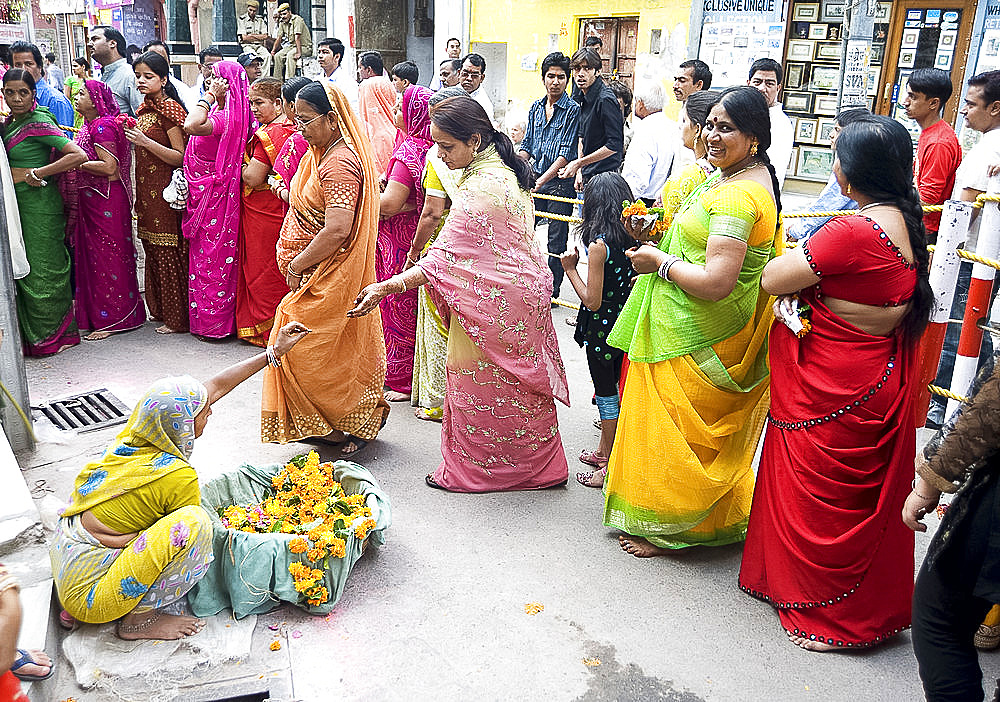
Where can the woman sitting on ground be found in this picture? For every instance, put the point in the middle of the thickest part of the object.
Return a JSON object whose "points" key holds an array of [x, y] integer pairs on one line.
{"points": [[135, 537], [492, 286]]}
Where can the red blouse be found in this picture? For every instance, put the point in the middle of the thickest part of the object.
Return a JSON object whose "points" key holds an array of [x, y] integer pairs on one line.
{"points": [[859, 263]]}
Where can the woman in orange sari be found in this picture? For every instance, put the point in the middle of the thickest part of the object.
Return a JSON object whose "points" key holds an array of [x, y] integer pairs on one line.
{"points": [[261, 286], [330, 386], [377, 105]]}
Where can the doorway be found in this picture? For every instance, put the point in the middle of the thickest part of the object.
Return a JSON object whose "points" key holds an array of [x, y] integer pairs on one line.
{"points": [[619, 38]]}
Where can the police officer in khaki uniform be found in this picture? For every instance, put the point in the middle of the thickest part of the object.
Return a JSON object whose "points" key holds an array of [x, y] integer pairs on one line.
{"points": [[252, 31], [293, 42]]}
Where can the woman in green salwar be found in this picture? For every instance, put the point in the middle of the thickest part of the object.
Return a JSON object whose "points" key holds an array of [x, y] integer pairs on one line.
{"points": [[32, 138]]}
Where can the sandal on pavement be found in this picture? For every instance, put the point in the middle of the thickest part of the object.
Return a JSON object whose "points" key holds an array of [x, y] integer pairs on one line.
{"points": [[24, 658], [358, 444], [593, 479], [592, 458], [429, 479]]}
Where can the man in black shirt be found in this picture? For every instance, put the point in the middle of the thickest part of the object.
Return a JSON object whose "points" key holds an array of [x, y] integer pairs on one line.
{"points": [[602, 126]]}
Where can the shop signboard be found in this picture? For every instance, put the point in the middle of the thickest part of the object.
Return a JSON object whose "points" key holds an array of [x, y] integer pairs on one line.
{"points": [[9, 33], [737, 32]]}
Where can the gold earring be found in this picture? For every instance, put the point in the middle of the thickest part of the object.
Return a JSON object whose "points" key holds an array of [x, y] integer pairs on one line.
{"points": [[753, 149], [848, 188]]}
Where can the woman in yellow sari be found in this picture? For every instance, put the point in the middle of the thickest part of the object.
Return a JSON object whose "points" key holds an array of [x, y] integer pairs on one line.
{"points": [[695, 329], [330, 386]]}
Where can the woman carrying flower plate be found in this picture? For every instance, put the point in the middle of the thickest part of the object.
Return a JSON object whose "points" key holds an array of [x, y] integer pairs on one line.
{"points": [[135, 537]]}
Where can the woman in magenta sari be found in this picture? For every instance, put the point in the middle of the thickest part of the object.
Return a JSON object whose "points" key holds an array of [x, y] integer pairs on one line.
{"points": [[107, 291], [492, 288], [219, 125], [295, 147], [402, 200]]}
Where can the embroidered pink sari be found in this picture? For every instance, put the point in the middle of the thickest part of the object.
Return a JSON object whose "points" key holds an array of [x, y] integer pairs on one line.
{"points": [[211, 223], [395, 237], [492, 286], [287, 161], [107, 291]]}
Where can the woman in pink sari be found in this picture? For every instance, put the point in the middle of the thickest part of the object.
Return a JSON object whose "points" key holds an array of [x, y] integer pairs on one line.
{"points": [[377, 105], [492, 287], [219, 125], [107, 291], [402, 200], [295, 147]]}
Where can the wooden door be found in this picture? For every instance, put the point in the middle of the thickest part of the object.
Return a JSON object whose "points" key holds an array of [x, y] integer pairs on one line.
{"points": [[925, 34], [619, 36]]}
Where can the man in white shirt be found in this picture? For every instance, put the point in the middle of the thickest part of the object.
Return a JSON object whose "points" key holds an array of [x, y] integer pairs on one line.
{"points": [[471, 79], [650, 156], [330, 56], [981, 110], [454, 51], [187, 94], [766, 76]]}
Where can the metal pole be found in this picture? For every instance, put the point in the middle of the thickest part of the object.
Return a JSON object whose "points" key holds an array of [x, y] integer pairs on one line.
{"points": [[11, 357]]}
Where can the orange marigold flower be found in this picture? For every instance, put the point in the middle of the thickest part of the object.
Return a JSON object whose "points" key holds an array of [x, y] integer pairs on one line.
{"points": [[275, 645], [315, 554], [298, 545]]}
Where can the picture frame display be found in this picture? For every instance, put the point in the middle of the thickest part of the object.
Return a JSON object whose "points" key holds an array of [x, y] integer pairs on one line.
{"points": [[818, 31], [833, 12], [805, 130], [798, 102], [825, 105], [824, 130], [824, 77], [946, 40], [801, 50], [911, 37], [805, 12], [796, 75], [815, 162], [877, 54], [907, 57], [827, 51], [882, 11], [793, 160]]}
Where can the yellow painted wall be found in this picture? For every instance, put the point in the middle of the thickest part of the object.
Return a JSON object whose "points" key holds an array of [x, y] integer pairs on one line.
{"points": [[525, 28]]}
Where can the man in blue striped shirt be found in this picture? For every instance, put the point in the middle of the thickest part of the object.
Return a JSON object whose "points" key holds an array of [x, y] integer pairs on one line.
{"points": [[550, 142]]}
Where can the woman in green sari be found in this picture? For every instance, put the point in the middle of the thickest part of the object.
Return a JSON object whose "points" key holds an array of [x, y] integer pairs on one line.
{"points": [[74, 84], [31, 138]]}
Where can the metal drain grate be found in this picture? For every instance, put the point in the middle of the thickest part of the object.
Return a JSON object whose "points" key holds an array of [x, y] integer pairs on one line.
{"points": [[89, 411]]}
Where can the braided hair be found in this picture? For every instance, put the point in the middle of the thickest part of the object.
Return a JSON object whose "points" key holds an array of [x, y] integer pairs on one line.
{"points": [[876, 158], [748, 111]]}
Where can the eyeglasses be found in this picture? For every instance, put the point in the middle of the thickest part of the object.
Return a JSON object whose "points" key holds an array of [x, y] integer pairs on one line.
{"points": [[302, 125], [470, 74]]}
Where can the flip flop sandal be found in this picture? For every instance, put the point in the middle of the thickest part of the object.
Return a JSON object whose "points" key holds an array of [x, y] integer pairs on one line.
{"points": [[586, 479], [360, 445], [429, 479], [592, 458], [24, 658]]}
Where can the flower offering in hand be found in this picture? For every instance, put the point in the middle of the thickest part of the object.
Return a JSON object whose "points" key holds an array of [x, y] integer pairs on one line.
{"points": [[643, 217]]}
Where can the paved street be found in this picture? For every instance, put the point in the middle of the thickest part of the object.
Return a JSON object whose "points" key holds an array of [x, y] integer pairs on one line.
{"points": [[438, 612]]}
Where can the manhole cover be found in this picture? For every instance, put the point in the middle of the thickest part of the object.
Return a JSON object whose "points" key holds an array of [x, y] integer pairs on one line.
{"points": [[88, 411]]}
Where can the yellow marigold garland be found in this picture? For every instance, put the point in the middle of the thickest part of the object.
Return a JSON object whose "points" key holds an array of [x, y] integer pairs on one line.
{"points": [[309, 503]]}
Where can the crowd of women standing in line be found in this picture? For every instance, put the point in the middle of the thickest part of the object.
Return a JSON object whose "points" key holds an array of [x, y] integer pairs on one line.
{"points": [[707, 368]]}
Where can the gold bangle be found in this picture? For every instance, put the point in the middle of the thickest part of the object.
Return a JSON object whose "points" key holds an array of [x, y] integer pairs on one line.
{"points": [[291, 271]]}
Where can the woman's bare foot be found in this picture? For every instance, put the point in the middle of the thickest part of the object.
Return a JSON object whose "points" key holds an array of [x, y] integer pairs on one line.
{"points": [[594, 479], [393, 396], [97, 336], [639, 547], [157, 626], [167, 330], [809, 644], [429, 415]]}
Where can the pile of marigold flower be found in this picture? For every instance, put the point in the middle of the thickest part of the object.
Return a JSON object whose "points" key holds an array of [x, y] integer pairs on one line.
{"points": [[639, 208], [309, 503]]}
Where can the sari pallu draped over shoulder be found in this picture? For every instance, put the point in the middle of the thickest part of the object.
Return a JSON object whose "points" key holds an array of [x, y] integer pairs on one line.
{"points": [[211, 222], [826, 544], [376, 102], [504, 373], [333, 377], [395, 237], [107, 290]]}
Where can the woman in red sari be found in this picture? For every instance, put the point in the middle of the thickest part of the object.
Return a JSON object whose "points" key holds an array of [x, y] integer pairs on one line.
{"points": [[261, 286], [402, 201], [825, 544]]}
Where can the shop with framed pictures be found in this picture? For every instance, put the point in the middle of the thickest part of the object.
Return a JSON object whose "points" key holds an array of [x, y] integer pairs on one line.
{"points": [[810, 92]]}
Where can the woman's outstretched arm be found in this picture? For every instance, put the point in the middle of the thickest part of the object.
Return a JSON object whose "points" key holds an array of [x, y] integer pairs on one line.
{"points": [[222, 383]]}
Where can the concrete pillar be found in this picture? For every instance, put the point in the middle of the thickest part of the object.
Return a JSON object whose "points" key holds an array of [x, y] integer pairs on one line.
{"points": [[11, 359]]}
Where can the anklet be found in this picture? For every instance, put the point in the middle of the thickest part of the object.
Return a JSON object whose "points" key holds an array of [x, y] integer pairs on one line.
{"points": [[135, 628]]}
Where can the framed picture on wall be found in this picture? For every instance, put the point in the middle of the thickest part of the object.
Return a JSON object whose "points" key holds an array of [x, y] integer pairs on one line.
{"points": [[818, 31], [825, 105], [805, 130], [815, 162], [828, 51], [882, 11], [943, 60], [878, 52], [798, 102], [805, 12], [825, 130], [793, 159], [800, 50], [907, 57], [911, 36], [796, 75], [833, 12], [824, 77]]}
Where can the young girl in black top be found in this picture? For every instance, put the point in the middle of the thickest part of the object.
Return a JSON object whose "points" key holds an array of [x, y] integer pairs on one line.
{"points": [[609, 280]]}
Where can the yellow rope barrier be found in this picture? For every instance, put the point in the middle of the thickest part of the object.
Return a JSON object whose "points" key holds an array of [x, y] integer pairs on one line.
{"points": [[560, 217], [947, 393], [563, 303], [557, 198]]}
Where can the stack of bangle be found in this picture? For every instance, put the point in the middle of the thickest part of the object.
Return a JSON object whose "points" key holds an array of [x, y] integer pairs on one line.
{"points": [[664, 271], [7, 581], [206, 103], [272, 357], [291, 272]]}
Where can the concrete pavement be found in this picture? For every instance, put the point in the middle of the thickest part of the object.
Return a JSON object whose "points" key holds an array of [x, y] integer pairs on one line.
{"points": [[438, 612]]}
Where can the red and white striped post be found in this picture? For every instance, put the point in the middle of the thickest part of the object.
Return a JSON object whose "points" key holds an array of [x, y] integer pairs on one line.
{"points": [[977, 307], [955, 221]]}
